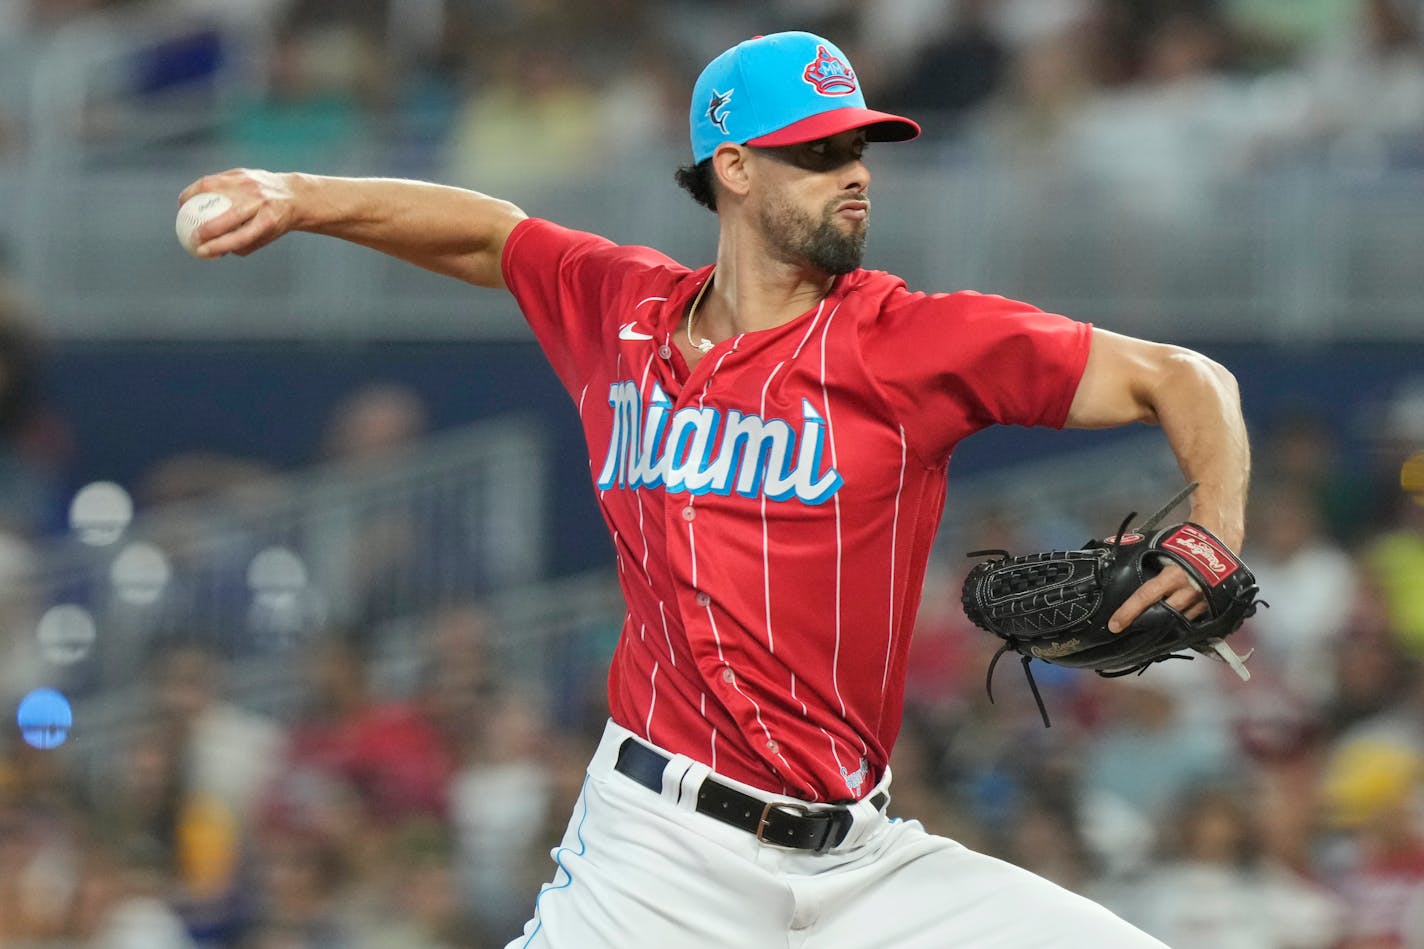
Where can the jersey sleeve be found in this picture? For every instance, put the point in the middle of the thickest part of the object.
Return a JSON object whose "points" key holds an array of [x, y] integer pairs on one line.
{"points": [[952, 364], [568, 285]]}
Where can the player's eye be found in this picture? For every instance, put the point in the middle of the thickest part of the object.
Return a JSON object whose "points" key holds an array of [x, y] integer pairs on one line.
{"points": [[822, 155]]}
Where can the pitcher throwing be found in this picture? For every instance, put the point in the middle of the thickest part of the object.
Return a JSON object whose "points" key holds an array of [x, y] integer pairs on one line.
{"points": [[769, 439]]}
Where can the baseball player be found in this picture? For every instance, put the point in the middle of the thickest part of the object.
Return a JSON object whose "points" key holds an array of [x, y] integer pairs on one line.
{"points": [[768, 440]]}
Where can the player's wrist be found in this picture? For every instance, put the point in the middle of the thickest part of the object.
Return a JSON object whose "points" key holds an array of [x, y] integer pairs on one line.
{"points": [[1230, 530]]}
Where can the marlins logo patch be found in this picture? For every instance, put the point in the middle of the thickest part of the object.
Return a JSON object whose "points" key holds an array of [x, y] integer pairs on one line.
{"points": [[831, 75], [718, 110]]}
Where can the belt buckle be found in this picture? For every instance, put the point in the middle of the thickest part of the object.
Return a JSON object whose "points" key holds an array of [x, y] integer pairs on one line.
{"points": [[791, 806]]}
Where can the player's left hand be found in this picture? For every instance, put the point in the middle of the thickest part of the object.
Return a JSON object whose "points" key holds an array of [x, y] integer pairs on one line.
{"points": [[1172, 586]]}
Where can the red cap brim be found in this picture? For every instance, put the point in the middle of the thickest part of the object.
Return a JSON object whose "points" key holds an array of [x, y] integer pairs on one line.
{"points": [[879, 127]]}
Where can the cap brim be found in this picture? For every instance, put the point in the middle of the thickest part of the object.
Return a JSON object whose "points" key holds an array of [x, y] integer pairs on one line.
{"points": [[879, 127]]}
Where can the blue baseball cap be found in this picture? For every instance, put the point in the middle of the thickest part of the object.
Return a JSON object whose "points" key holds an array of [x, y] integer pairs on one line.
{"points": [[784, 89]]}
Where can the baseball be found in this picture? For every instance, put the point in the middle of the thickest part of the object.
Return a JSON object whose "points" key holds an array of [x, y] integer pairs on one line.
{"points": [[195, 212]]}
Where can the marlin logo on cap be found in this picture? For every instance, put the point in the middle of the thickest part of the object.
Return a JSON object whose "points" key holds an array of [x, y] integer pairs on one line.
{"points": [[717, 109], [831, 75]]}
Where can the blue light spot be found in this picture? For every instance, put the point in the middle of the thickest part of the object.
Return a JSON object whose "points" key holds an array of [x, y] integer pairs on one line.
{"points": [[45, 718]]}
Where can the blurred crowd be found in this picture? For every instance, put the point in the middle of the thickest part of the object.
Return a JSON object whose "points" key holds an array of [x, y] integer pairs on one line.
{"points": [[407, 789], [493, 93]]}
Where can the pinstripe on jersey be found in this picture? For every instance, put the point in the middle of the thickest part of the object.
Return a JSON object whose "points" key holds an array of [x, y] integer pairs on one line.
{"points": [[772, 510]]}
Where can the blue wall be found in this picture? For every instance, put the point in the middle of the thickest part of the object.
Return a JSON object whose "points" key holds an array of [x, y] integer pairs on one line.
{"points": [[131, 405]]}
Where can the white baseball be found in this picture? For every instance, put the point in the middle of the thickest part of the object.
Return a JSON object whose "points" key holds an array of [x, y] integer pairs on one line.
{"points": [[195, 212]]}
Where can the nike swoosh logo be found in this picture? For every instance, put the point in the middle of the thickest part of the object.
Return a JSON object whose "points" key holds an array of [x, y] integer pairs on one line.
{"points": [[628, 331]]}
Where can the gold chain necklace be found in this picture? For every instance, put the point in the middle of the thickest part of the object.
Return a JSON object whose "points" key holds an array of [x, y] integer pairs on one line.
{"points": [[705, 344]]}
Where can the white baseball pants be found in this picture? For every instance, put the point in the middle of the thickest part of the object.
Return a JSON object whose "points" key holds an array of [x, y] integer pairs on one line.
{"points": [[638, 869]]}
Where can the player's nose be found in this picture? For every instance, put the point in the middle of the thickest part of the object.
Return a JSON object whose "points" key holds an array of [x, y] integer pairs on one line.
{"points": [[855, 175]]}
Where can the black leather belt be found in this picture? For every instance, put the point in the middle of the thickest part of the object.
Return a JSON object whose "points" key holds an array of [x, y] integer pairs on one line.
{"points": [[783, 823]]}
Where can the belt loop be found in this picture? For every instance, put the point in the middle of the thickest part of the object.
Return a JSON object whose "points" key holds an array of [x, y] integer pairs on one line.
{"points": [[682, 780]]}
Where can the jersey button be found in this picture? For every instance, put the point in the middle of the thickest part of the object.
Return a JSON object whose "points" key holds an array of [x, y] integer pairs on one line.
{"points": [[665, 351], [772, 746], [703, 599], [728, 675], [688, 513]]}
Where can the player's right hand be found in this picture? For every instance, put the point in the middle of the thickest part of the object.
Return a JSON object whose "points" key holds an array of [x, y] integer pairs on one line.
{"points": [[263, 209]]}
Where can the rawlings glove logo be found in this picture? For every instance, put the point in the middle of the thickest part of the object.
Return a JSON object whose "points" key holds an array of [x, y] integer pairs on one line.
{"points": [[1214, 561]]}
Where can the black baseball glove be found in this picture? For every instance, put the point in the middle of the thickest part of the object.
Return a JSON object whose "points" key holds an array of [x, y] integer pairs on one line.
{"points": [[1055, 606]]}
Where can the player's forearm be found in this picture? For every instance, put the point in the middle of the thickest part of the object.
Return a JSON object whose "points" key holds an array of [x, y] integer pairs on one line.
{"points": [[1198, 405], [448, 230]]}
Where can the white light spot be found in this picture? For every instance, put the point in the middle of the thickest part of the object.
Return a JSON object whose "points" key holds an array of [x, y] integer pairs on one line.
{"points": [[100, 513], [139, 573], [66, 634], [276, 576]]}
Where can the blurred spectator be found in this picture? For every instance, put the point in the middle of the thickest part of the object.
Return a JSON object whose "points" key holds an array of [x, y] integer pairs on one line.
{"points": [[1367, 84], [920, 792], [365, 558], [644, 105], [1027, 119], [199, 773], [952, 72], [1213, 890], [381, 749], [40, 845], [459, 677], [530, 118], [227, 751], [1046, 838], [1163, 145], [945, 654], [302, 877], [1301, 452], [1149, 752], [1371, 791], [329, 87], [123, 901], [1372, 669], [34, 442], [1310, 584], [1395, 560], [502, 800], [373, 424], [409, 897], [1284, 29], [21, 663], [202, 476]]}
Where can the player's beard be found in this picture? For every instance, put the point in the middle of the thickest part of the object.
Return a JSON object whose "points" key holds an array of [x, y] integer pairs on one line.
{"points": [[797, 237]]}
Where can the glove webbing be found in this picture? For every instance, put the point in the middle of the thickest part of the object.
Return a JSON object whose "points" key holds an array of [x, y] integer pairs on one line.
{"points": [[1010, 645]]}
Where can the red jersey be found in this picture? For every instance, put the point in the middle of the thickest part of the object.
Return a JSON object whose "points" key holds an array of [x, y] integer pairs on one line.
{"points": [[773, 509]]}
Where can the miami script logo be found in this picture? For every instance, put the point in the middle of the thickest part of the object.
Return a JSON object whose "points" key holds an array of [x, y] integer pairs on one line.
{"points": [[706, 451]]}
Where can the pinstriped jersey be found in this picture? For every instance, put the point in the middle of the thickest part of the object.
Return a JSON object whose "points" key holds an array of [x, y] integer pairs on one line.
{"points": [[773, 509]]}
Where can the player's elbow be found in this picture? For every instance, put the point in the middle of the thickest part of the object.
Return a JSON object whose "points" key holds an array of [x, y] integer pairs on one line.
{"points": [[1183, 373], [1192, 368]]}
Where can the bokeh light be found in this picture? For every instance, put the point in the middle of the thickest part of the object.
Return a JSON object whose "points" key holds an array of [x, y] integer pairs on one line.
{"points": [[139, 573], [276, 576], [66, 634], [100, 513], [45, 718]]}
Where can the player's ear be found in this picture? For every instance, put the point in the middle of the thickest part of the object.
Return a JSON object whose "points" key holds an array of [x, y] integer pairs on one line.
{"points": [[730, 168]]}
